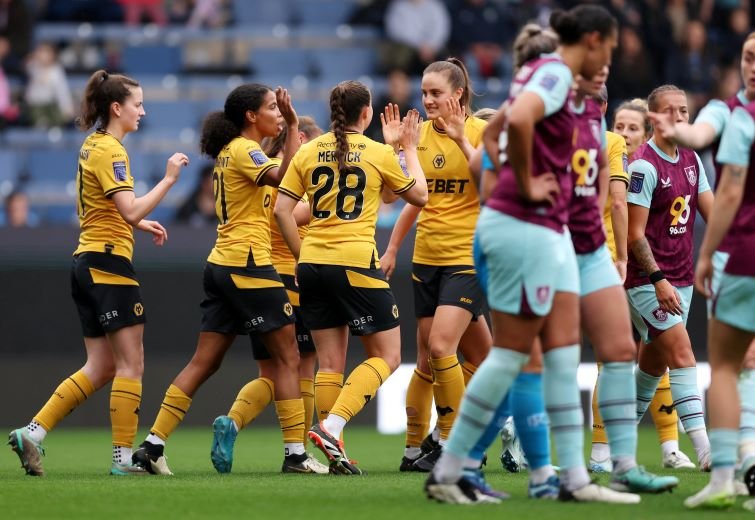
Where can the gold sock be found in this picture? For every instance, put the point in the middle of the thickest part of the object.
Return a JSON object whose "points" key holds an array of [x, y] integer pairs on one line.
{"points": [[307, 388], [598, 428], [419, 400], [172, 411], [663, 412], [291, 417], [327, 389], [252, 399], [125, 397], [448, 387], [73, 391], [468, 369], [361, 386]]}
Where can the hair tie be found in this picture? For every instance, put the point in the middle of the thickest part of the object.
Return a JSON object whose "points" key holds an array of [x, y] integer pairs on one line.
{"points": [[105, 76]]}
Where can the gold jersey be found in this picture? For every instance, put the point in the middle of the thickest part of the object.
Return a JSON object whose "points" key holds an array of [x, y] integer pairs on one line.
{"points": [[344, 207], [103, 170], [616, 148], [445, 228], [243, 204], [282, 257]]}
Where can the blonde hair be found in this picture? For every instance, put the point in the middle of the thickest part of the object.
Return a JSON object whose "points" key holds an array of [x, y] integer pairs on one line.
{"points": [[486, 114]]}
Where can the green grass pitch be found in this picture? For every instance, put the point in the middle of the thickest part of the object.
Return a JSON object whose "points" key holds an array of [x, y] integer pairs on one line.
{"points": [[77, 485]]}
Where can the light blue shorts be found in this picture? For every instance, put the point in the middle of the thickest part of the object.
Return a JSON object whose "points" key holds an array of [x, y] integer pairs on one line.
{"points": [[597, 271], [734, 302], [526, 264], [719, 263], [647, 316]]}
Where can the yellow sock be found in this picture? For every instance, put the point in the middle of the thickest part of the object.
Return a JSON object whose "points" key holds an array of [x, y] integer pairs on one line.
{"points": [[252, 399], [419, 399], [73, 391], [307, 388], [172, 411], [663, 412], [125, 397], [448, 387], [291, 417], [361, 387], [598, 428], [468, 369], [327, 389]]}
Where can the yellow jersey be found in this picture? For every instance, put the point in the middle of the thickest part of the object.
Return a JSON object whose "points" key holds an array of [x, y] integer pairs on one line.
{"points": [[103, 170], [344, 206], [616, 147], [243, 204], [281, 256], [445, 228]]}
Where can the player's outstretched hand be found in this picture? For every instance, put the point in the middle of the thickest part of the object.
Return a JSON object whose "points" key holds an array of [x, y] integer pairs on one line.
{"points": [[390, 121], [286, 107], [177, 161], [159, 233], [411, 126]]}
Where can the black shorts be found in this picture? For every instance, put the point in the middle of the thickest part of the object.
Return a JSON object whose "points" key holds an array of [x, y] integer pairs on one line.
{"points": [[243, 300], [106, 292], [455, 285], [303, 337], [334, 295]]}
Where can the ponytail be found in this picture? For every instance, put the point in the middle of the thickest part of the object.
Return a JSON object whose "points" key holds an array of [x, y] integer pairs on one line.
{"points": [[347, 99], [101, 91]]}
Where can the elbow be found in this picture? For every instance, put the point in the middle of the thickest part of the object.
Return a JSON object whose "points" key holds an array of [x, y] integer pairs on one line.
{"points": [[421, 200], [618, 204], [132, 219]]}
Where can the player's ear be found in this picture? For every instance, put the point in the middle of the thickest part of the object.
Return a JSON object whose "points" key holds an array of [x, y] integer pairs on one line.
{"points": [[116, 108], [251, 116]]}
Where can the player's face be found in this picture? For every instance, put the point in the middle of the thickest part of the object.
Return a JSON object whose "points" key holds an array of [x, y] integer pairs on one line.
{"points": [[436, 90], [599, 52], [748, 67], [630, 125], [132, 110], [268, 119], [591, 87], [674, 103]]}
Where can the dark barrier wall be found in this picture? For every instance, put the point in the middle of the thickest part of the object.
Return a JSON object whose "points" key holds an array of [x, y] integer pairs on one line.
{"points": [[41, 336]]}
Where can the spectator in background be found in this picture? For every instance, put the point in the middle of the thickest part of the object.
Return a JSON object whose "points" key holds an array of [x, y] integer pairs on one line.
{"points": [[9, 111], [418, 32], [631, 72], [730, 41], [480, 31], [47, 95], [135, 11], [199, 209], [399, 92], [17, 214], [16, 27], [693, 67]]}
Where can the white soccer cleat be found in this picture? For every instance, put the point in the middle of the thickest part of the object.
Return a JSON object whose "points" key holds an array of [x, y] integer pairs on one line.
{"points": [[704, 461], [719, 497], [595, 493], [160, 466], [677, 460]]}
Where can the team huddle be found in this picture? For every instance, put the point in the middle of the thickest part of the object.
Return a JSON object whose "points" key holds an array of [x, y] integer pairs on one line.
{"points": [[535, 213]]}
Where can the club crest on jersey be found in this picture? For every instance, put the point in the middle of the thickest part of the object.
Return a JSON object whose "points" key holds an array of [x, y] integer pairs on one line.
{"points": [[258, 157], [660, 315], [691, 174], [542, 294], [119, 171], [636, 182]]}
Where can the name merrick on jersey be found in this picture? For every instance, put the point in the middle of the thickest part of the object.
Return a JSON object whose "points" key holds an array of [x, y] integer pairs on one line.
{"points": [[330, 157]]}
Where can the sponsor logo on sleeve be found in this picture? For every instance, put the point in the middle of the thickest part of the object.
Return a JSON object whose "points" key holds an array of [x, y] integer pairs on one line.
{"points": [[402, 163], [119, 171], [258, 157], [549, 81], [636, 182], [624, 162]]}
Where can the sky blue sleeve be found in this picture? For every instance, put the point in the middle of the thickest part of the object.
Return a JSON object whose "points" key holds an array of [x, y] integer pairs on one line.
{"points": [[487, 164], [552, 83], [603, 130], [737, 139], [702, 179], [642, 181], [716, 114]]}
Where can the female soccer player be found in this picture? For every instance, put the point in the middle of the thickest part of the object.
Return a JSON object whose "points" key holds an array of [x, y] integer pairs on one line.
{"points": [[104, 284], [631, 129], [707, 130], [732, 326], [341, 285], [667, 186], [533, 282], [243, 292], [257, 394], [448, 301]]}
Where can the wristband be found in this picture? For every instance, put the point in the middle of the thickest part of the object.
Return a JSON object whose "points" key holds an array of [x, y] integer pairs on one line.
{"points": [[656, 277]]}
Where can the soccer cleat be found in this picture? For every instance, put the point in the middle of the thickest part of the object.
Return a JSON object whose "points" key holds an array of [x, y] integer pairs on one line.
{"points": [[746, 473], [594, 493], [512, 457], [548, 490], [460, 492], [677, 460], [223, 438], [127, 470], [340, 464], [704, 461], [477, 478], [740, 489], [427, 461], [304, 463], [722, 497], [749, 505], [407, 464], [428, 444], [637, 480], [600, 466], [151, 458], [29, 451]]}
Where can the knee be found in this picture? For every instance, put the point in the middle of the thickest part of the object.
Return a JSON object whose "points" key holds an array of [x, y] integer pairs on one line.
{"points": [[440, 345], [681, 358]]}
